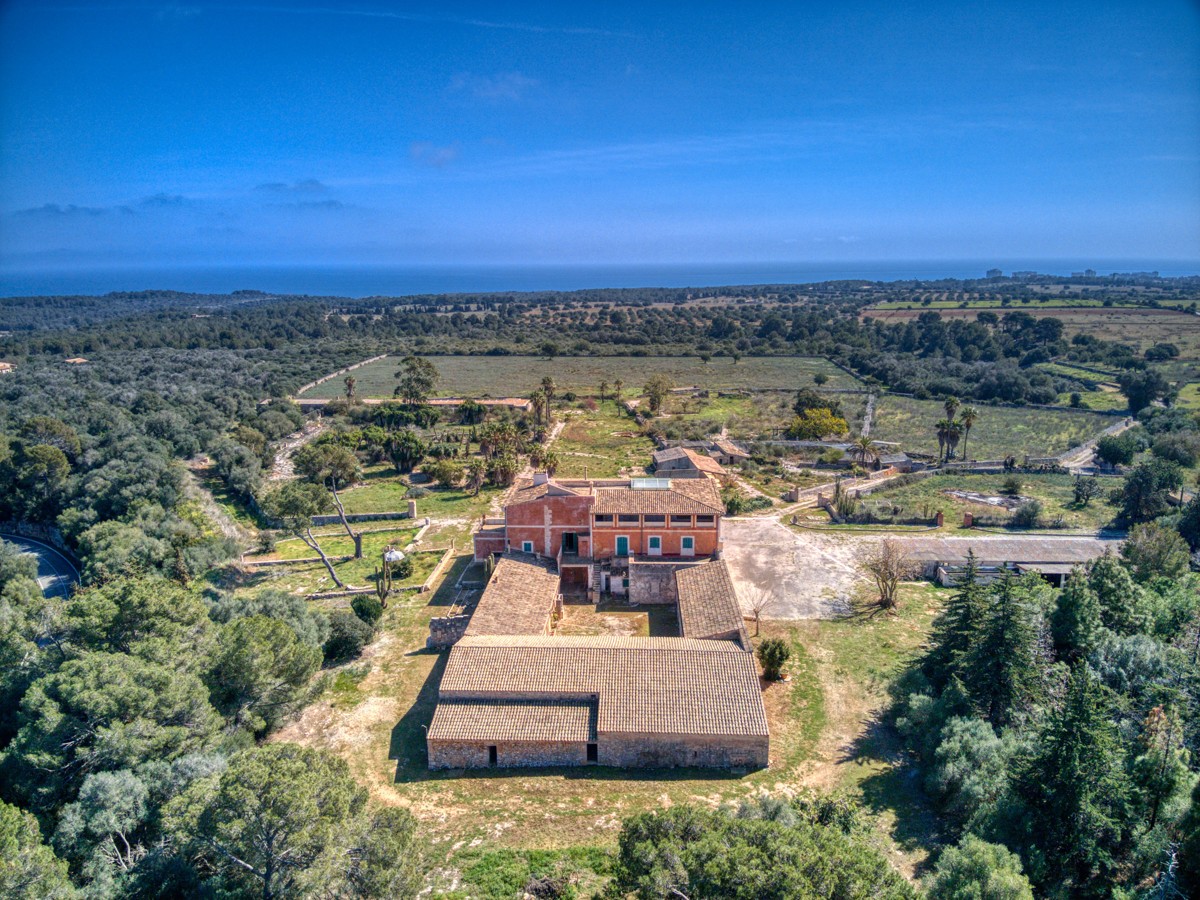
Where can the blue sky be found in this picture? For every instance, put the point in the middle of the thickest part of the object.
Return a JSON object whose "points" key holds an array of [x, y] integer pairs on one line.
{"points": [[265, 133]]}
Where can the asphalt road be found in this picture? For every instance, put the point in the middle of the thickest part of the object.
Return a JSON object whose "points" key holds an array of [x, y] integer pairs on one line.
{"points": [[56, 574]]}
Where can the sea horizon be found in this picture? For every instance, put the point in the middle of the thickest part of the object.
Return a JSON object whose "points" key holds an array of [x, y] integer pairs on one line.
{"points": [[400, 280]]}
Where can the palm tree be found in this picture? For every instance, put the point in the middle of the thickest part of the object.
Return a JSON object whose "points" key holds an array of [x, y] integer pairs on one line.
{"points": [[943, 427], [968, 417], [603, 389], [617, 385], [951, 406], [953, 433], [863, 449], [540, 403], [548, 387], [350, 382]]}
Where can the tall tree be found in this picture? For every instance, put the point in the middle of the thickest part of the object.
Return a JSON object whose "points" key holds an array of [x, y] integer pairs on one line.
{"points": [[1003, 671], [418, 377], [955, 628], [287, 821], [1075, 792], [1076, 622], [968, 417], [294, 504], [405, 449], [334, 467], [28, 868]]}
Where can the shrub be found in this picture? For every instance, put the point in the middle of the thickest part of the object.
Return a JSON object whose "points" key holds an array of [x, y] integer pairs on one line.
{"points": [[1012, 485], [773, 654], [1116, 450], [416, 493], [348, 634], [368, 608], [1027, 515]]}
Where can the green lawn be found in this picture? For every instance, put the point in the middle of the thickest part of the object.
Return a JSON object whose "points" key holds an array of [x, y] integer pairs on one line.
{"points": [[312, 578], [335, 542], [998, 432], [503, 376], [926, 496], [1100, 401]]}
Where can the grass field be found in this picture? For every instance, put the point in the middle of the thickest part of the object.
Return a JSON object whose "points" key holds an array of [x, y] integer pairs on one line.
{"points": [[311, 578], [503, 376], [998, 432], [604, 443], [1055, 492], [1041, 303], [488, 831]]}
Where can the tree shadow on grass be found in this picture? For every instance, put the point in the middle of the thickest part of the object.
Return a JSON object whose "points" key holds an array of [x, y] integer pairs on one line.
{"points": [[896, 788]]}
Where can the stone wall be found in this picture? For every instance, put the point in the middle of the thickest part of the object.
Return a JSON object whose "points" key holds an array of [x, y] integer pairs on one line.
{"points": [[446, 631], [654, 582], [509, 754], [621, 751], [667, 751]]}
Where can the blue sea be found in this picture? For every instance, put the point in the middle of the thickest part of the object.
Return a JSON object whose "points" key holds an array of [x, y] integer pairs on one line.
{"points": [[399, 280]]}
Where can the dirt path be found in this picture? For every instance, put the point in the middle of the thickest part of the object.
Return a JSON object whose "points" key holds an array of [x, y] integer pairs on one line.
{"points": [[195, 489], [868, 416], [496, 507], [281, 469]]}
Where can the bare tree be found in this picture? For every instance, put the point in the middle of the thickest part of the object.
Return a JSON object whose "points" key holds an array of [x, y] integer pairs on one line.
{"points": [[887, 565], [760, 600]]}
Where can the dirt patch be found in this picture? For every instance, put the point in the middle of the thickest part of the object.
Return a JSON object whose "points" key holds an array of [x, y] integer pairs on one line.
{"points": [[1010, 502]]}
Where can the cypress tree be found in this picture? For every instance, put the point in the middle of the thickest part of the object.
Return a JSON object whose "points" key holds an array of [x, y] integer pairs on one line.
{"points": [[1076, 793], [1076, 620], [1001, 670], [1122, 600], [955, 628]]}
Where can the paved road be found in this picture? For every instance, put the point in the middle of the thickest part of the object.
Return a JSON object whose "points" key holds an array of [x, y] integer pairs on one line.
{"points": [[813, 575], [56, 573]]}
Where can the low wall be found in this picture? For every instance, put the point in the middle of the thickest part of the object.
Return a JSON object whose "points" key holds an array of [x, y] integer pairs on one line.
{"points": [[47, 534], [446, 631], [652, 583], [359, 517]]}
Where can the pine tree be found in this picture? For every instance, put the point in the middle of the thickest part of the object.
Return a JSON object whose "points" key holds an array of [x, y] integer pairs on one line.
{"points": [[1122, 600], [1076, 620], [955, 628], [1075, 792], [1001, 670]]}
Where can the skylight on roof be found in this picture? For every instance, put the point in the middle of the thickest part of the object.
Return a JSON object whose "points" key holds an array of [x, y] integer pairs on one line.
{"points": [[650, 484]]}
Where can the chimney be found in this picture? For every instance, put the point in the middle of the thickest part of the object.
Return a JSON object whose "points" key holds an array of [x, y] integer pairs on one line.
{"points": [[540, 477]]}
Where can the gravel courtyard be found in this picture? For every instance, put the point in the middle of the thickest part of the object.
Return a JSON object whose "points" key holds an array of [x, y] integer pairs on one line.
{"points": [[813, 575]]}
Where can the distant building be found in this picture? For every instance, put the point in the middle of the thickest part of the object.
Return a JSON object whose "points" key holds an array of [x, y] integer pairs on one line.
{"points": [[995, 273], [680, 462]]}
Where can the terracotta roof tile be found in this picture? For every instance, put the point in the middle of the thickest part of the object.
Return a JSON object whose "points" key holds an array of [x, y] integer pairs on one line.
{"points": [[685, 496], [518, 599], [708, 604], [514, 720], [674, 686]]}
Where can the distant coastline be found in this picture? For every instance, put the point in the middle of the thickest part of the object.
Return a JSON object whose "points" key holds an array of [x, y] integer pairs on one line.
{"points": [[399, 280]]}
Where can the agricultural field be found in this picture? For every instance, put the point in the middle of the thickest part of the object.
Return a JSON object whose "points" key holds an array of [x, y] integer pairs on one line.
{"points": [[999, 431], [1140, 327], [1040, 304], [927, 496], [491, 830], [505, 376]]}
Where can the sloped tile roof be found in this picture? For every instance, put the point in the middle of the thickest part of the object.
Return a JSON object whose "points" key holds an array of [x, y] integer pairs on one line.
{"points": [[685, 496], [676, 686], [514, 720], [708, 604], [518, 599]]}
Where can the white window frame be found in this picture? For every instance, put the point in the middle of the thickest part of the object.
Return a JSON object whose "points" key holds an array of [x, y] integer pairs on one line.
{"points": [[526, 546], [684, 548], [651, 550]]}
